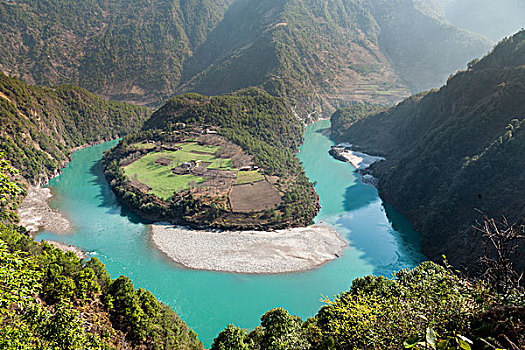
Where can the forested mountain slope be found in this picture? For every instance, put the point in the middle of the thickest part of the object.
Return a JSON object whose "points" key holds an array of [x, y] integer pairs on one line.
{"points": [[39, 126], [454, 153], [118, 49], [318, 54]]}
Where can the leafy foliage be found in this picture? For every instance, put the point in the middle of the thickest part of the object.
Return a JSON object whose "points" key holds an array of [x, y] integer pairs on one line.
{"points": [[428, 307], [10, 190], [232, 338], [53, 300], [387, 314]]}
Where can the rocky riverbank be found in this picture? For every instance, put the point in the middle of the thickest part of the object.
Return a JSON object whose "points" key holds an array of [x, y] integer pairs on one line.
{"points": [[359, 160], [297, 249], [36, 214]]}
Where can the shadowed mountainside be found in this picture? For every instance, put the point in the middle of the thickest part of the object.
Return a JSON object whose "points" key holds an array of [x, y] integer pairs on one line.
{"points": [[453, 153]]}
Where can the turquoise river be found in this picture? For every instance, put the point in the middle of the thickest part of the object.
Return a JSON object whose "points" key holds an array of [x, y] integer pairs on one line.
{"points": [[380, 241]]}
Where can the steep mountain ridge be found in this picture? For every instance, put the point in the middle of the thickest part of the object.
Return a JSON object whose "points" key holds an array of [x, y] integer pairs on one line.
{"points": [[118, 49], [318, 54], [454, 153]]}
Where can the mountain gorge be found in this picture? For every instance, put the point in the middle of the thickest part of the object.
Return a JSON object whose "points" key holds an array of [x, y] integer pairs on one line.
{"points": [[453, 154], [318, 54], [230, 162]]}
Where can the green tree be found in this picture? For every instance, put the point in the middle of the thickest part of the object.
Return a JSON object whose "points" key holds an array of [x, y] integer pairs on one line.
{"points": [[19, 278], [126, 306], [232, 338], [282, 331], [9, 190]]}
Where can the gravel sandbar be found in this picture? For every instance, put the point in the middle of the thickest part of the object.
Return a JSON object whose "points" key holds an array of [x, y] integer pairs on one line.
{"points": [[69, 248], [359, 160], [297, 249]]}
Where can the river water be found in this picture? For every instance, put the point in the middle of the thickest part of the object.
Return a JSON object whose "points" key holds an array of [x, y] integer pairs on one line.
{"points": [[380, 242]]}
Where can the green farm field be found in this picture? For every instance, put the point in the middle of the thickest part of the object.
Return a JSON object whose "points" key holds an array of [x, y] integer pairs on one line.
{"points": [[140, 145], [244, 177], [161, 179]]}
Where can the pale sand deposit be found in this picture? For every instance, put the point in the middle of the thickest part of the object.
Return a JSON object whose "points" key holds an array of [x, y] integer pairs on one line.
{"points": [[290, 250], [359, 160], [36, 214]]}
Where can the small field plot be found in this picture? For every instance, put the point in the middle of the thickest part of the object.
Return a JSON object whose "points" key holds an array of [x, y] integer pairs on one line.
{"points": [[256, 196], [194, 151], [155, 168], [159, 178], [245, 177]]}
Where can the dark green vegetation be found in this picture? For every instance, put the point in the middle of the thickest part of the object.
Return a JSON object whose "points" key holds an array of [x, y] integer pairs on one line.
{"points": [[455, 153], [264, 129], [11, 191], [428, 307], [343, 118], [53, 300], [318, 54], [494, 19], [40, 126]]}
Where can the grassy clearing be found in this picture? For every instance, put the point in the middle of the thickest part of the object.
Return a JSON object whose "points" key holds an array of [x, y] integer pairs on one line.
{"points": [[183, 156], [161, 179], [244, 177], [195, 147]]}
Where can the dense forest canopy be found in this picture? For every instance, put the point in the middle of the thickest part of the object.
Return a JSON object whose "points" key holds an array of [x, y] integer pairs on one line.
{"points": [[406, 311], [454, 154]]}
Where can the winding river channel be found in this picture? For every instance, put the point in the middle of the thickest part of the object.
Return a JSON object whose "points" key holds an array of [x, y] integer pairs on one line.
{"points": [[380, 242]]}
